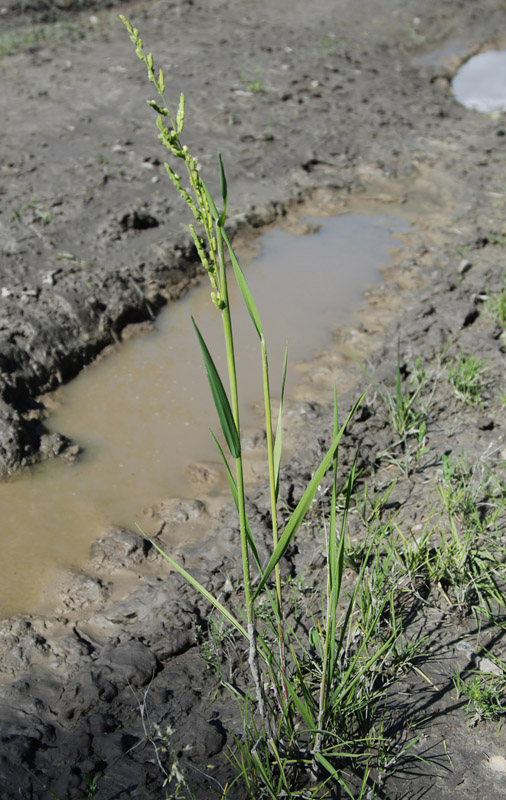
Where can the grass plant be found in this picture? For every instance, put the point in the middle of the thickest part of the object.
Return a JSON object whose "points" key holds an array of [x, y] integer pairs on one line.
{"points": [[408, 405], [485, 694], [304, 709], [14, 39], [466, 377], [313, 697], [495, 307], [468, 563], [405, 412], [37, 212], [255, 85]]}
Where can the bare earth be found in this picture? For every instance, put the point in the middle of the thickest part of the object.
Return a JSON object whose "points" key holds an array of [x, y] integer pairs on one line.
{"points": [[326, 104]]}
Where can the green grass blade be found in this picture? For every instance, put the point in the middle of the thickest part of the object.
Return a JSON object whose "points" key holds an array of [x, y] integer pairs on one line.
{"points": [[348, 686], [334, 561], [198, 586], [278, 442], [224, 192], [334, 773], [338, 567], [358, 582], [233, 489], [220, 398], [398, 384], [303, 704], [273, 793], [300, 511], [223, 180], [337, 551], [245, 290], [281, 769]]}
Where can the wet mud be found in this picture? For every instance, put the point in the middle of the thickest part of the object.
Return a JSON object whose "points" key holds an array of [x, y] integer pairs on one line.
{"points": [[328, 105]]}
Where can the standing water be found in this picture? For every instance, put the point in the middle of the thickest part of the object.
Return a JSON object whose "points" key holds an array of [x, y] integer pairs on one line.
{"points": [[480, 83], [142, 413]]}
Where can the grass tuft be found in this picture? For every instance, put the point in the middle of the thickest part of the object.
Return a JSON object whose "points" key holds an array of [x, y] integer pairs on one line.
{"points": [[466, 377]]}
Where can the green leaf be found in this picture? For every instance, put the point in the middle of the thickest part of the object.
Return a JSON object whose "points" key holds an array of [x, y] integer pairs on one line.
{"points": [[220, 398], [245, 290], [198, 586], [267, 782], [233, 489], [278, 442], [348, 685], [304, 707], [336, 559], [300, 511], [224, 192], [334, 773]]}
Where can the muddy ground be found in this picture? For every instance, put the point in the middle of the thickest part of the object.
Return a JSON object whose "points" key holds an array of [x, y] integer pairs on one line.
{"points": [[319, 102]]}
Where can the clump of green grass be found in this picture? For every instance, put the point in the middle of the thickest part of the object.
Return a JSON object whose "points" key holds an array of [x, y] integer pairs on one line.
{"points": [[408, 407], [468, 563], [458, 555], [13, 40], [466, 377], [485, 694], [495, 307], [34, 209], [254, 85], [406, 412]]}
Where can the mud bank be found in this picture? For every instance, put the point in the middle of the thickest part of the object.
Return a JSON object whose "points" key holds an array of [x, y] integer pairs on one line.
{"points": [[93, 689], [90, 242]]}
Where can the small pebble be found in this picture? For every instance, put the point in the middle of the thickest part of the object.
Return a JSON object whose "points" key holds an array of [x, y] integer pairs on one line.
{"points": [[463, 645], [497, 763], [48, 278], [464, 266], [490, 667]]}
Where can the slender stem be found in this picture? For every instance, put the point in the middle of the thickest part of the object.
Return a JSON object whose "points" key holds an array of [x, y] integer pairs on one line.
{"points": [[332, 591], [274, 516], [232, 373]]}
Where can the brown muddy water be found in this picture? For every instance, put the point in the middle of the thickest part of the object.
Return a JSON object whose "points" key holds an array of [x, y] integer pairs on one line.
{"points": [[142, 412]]}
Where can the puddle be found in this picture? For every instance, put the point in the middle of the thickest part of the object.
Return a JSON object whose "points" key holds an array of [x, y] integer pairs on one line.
{"points": [[142, 413], [480, 84], [440, 55]]}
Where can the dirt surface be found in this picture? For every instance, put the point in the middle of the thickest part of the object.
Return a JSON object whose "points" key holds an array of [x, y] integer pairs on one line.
{"points": [[319, 102]]}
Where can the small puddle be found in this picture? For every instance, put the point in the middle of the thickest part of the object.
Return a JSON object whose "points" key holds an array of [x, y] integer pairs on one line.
{"points": [[142, 412], [480, 84], [440, 55]]}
